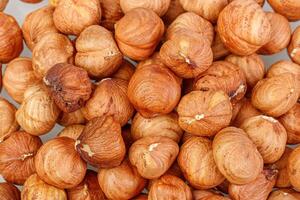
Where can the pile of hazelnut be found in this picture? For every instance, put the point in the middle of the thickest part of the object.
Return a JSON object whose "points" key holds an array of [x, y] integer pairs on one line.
{"points": [[165, 99]]}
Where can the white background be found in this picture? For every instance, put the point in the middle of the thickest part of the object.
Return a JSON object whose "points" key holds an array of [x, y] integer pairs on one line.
{"points": [[20, 9]]}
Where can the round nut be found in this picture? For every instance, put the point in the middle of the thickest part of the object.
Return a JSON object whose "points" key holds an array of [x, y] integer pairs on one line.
{"points": [[111, 13], [294, 46], [9, 191], [288, 8]]}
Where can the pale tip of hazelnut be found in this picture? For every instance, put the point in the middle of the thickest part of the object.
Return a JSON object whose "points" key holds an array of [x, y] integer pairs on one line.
{"points": [[187, 60], [241, 89], [77, 142], [153, 146], [270, 119], [86, 148], [46, 81], [294, 52], [199, 117], [102, 80], [26, 155], [285, 194]]}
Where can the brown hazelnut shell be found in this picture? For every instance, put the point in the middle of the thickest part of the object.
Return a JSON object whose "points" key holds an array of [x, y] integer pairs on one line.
{"points": [[3, 4], [294, 46], [76, 117], [72, 131], [9, 192], [236, 109], [284, 194], [288, 8], [58, 164], [293, 168], [174, 10], [208, 195], [111, 13], [260, 2], [125, 71], [218, 48], [282, 67]]}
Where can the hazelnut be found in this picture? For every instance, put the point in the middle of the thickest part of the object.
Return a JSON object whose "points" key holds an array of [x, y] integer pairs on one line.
{"points": [[51, 49], [36, 188], [37, 24], [58, 164], [9, 192], [259, 189], [125, 71], [244, 27], [169, 187], [284, 194], [8, 123], [190, 22], [187, 55], [17, 155], [280, 34], [11, 38], [154, 89], [38, 113], [252, 66], [161, 125], [160, 7], [89, 188], [97, 52], [294, 46], [236, 109], [0, 77], [236, 156], [73, 16], [70, 86], [223, 187], [121, 182], [136, 23], [223, 75], [268, 135], [267, 98], [174, 170], [209, 10], [18, 76], [111, 13], [204, 113], [218, 48], [282, 67], [288, 8], [293, 168], [101, 143], [110, 98], [291, 122], [76, 117], [153, 155], [72, 131], [196, 162], [186, 136], [208, 195], [3, 4], [260, 2], [154, 59], [174, 10]]}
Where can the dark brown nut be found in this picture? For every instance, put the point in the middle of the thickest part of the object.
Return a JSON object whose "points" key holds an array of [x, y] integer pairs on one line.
{"points": [[294, 168], [125, 71], [141, 197], [169, 187], [291, 122], [288, 8], [154, 89], [3, 4], [252, 66], [218, 47], [265, 95], [280, 34], [72, 131], [61, 51], [58, 164], [121, 182], [111, 13], [9, 192], [186, 136], [208, 195], [11, 38], [244, 27], [204, 113], [174, 10], [101, 143], [127, 137], [110, 98], [66, 119], [284, 194], [223, 75], [282, 67], [175, 170], [37, 24], [294, 46], [236, 156], [73, 16], [153, 156], [196, 162], [69, 86], [88, 189], [17, 155]]}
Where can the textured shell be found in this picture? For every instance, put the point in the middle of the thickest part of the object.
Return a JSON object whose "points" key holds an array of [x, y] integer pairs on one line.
{"points": [[236, 156], [153, 156], [169, 187], [66, 119], [191, 22], [8, 123], [186, 55], [17, 157], [284, 194], [294, 46], [58, 164], [282, 67], [218, 47], [175, 9], [73, 16], [223, 75], [207, 195], [291, 122], [161, 125], [196, 162], [101, 143], [51, 49], [111, 13], [280, 34], [70, 86], [9, 192], [37, 24], [160, 7], [121, 182], [154, 89], [260, 2], [3, 4], [138, 33], [244, 27], [97, 52], [259, 189], [252, 66], [72, 131], [209, 9], [38, 113], [294, 168], [204, 113], [11, 38], [288, 8], [125, 71], [276, 95], [36, 188], [18, 76]]}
